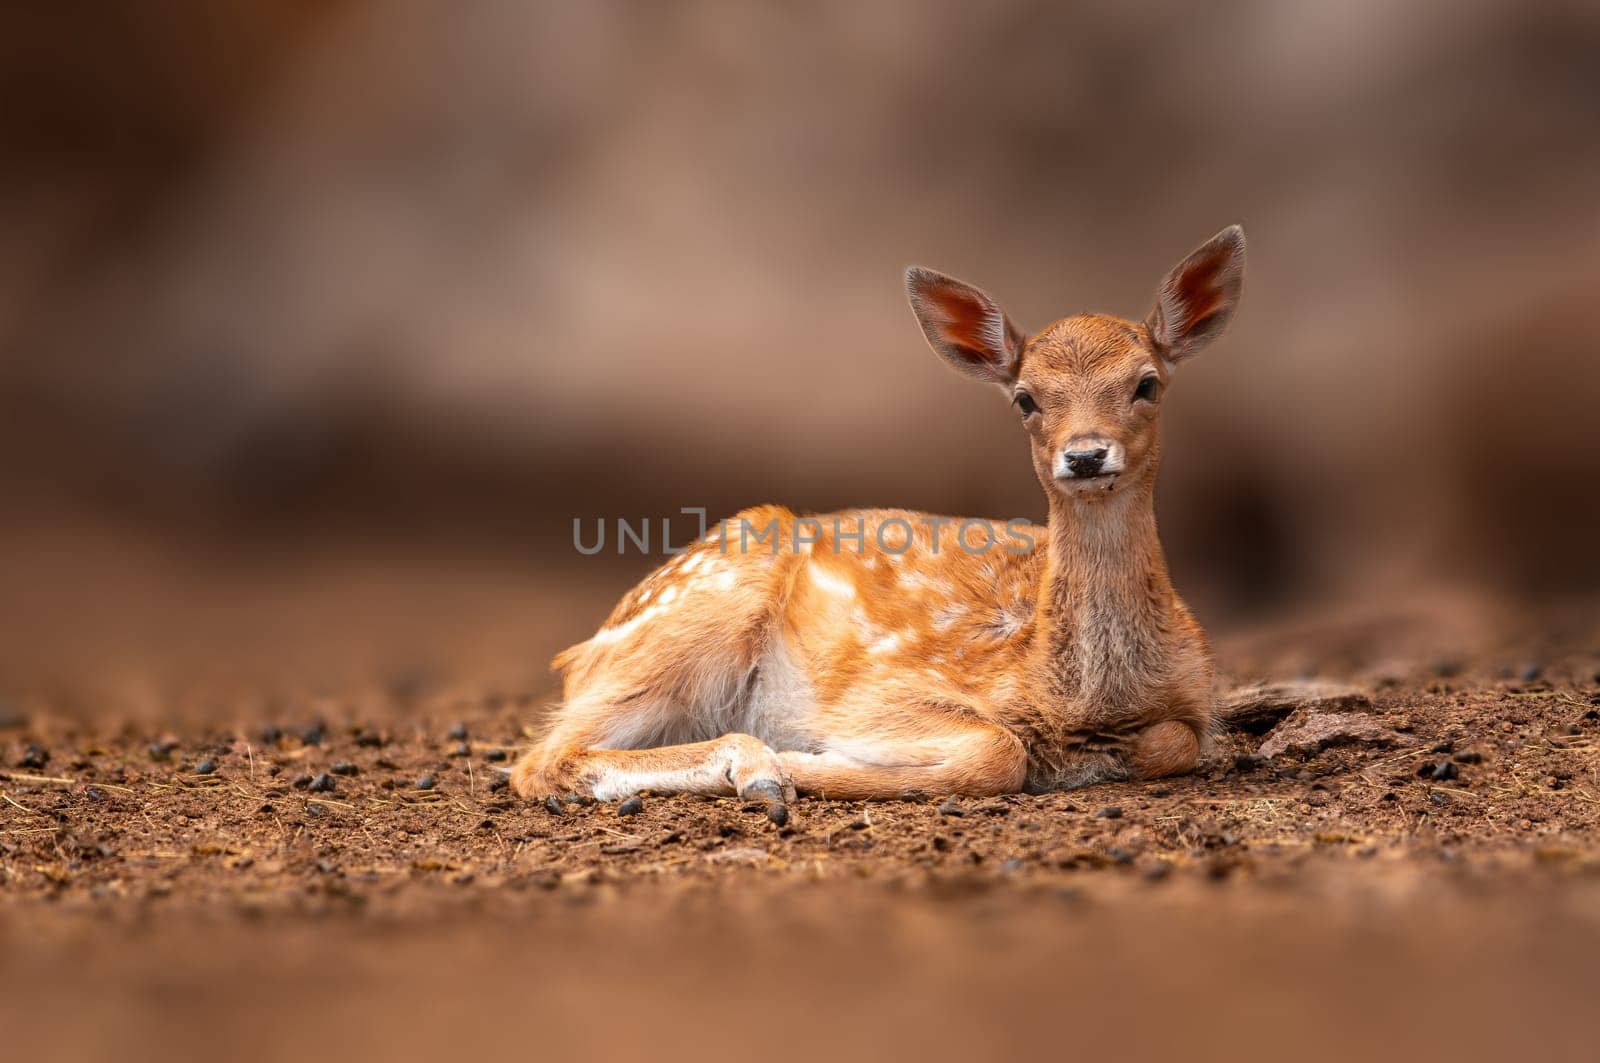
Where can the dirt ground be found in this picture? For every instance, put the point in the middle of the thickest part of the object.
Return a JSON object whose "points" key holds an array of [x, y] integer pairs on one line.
{"points": [[353, 875]]}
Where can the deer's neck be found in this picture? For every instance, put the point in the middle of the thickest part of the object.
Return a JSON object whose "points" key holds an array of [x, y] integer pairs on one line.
{"points": [[1105, 599]]}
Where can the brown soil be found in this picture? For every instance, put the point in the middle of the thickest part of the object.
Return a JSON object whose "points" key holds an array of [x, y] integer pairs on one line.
{"points": [[1432, 886]]}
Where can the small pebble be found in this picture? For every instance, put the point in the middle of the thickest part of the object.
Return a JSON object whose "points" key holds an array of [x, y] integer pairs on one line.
{"points": [[301, 782], [312, 736], [1248, 762], [1109, 812], [322, 784], [553, 805], [631, 807], [34, 756], [270, 735], [457, 732], [499, 782], [426, 782], [1445, 770], [1469, 756], [1530, 672], [951, 807], [778, 813], [496, 756], [462, 749], [1446, 746], [344, 767], [161, 748], [369, 739], [1437, 798], [205, 767]]}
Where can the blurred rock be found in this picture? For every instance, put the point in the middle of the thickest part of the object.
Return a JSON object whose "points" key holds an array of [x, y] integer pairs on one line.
{"points": [[1311, 730], [1258, 708]]}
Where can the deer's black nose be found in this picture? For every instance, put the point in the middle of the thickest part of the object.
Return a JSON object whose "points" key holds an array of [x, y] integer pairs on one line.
{"points": [[1086, 462]]}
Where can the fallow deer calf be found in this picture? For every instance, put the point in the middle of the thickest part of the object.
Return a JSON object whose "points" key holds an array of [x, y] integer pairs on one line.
{"points": [[869, 654]]}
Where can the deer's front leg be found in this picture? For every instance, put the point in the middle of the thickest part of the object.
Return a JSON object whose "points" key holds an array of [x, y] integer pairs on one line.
{"points": [[962, 758], [735, 764]]}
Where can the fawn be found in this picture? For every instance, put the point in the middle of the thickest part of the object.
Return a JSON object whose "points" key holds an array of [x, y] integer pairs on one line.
{"points": [[875, 653]]}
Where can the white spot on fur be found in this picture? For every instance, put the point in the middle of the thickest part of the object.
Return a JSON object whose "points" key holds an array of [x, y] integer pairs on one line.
{"points": [[1005, 624], [827, 581], [886, 644], [608, 635]]}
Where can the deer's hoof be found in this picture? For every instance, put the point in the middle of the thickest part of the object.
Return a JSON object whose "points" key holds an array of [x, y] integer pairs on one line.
{"points": [[774, 794]]}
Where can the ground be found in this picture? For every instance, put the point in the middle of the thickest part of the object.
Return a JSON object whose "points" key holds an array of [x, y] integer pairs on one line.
{"points": [[1422, 876]]}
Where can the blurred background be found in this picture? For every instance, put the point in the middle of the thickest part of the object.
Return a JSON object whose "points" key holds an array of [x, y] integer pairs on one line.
{"points": [[321, 322]]}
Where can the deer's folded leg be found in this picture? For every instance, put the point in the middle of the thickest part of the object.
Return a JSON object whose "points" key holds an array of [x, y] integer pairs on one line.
{"points": [[973, 759], [734, 764], [1170, 747]]}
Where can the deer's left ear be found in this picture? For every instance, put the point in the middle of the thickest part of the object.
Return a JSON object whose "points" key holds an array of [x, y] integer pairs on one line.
{"points": [[964, 326], [1198, 296]]}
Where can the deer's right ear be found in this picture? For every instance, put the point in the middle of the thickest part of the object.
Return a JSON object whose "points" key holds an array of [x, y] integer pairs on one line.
{"points": [[964, 326]]}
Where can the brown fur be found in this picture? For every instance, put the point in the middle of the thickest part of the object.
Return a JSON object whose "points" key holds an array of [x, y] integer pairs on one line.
{"points": [[1057, 657]]}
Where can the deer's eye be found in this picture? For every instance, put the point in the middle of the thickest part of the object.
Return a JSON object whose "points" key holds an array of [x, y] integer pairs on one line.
{"points": [[1147, 390], [1025, 403]]}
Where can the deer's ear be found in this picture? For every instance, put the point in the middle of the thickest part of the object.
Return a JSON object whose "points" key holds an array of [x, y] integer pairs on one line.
{"points": [[964, 326], [1198, 296]]}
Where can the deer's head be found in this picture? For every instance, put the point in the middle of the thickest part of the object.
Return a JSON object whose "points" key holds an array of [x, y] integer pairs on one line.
{"points": [[1088, 388]]}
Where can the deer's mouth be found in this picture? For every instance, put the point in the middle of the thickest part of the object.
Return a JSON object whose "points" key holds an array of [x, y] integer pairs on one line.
{"points": [[1099, 483]]}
